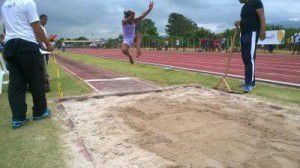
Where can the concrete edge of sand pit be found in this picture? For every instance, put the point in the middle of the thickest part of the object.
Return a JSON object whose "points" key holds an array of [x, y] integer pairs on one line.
{"points": [[121, 94]]}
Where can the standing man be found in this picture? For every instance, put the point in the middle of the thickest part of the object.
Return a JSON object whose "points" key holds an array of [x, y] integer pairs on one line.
{"points": [[253, 27], [203, 44], [223, 44], [25, 62], [44, 21], [166, 45], [177, 44], [296, 48]]}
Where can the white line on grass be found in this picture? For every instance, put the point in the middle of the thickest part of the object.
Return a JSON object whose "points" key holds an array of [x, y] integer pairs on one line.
{"points": [[71, 72], [109, 80]]}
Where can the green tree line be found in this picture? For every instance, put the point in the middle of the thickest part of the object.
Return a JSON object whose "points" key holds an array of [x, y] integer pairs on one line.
{"points": [[185, 29]]}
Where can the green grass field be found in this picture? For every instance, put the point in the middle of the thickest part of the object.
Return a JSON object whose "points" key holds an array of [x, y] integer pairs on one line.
{"points": [[165, 77], [37, 144], [286, 52]]}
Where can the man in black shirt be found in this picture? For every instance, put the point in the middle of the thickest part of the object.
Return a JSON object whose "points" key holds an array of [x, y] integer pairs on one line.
{"points": [[253, 27]]}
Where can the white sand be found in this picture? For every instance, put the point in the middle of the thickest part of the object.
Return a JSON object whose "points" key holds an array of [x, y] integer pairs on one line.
{"points": [[181, 128]]}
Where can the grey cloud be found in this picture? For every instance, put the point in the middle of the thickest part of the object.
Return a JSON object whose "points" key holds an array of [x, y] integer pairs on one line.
{"points": [[101, 18]]}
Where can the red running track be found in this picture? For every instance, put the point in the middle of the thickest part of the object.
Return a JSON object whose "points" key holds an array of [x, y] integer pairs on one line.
{"points": [[274, 68]]}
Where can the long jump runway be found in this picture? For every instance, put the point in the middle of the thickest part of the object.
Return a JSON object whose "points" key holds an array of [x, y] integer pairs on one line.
{"points": [[278, 69], [103, 81]]}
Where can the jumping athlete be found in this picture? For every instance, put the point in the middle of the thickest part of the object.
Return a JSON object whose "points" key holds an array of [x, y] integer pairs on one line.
{"points": [[130, 38]]}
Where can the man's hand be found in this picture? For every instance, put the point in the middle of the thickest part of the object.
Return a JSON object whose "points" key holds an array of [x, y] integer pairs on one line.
{"points": [[49, 47], [151, 5], [262, 19], [237, 24], [40, 35], [262, 34]]}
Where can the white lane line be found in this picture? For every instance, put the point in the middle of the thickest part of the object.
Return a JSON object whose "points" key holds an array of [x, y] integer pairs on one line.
{"points": [[109, 80], [221, 74]]}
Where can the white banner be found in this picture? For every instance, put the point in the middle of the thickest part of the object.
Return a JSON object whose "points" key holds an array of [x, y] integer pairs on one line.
{"points": [[274, 37]]}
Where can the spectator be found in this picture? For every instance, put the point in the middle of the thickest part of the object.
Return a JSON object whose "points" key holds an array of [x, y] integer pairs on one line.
{"points": [[203, 44], [44, 21], [223, 44], [153, 44], [21, 51], [177, 44], [296, 49], [253, 27], [63, 47], [211, 45], [166, 45], [271, 49]]}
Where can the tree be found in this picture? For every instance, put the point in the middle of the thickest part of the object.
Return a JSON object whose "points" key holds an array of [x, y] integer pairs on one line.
{"points": [[112, 43], [228, 34], [274, 27], [203, 33], [147, 28], [179, 25]]}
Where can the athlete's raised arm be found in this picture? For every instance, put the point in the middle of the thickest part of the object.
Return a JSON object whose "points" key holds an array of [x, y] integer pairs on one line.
{"points": [[140, 18]]}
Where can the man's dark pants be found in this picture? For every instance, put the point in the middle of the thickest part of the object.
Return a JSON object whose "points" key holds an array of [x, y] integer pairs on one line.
{"points": [[25, 65], [248, 43], [296, 48]]}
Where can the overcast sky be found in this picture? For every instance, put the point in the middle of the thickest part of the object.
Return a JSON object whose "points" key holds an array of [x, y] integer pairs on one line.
{"points": [[103, 17]]}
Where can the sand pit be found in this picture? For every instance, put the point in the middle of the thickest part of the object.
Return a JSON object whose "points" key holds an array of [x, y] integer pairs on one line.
{"points": [[185, 127]]}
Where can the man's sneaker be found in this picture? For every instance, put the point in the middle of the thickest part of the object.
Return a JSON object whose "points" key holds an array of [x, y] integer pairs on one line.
{"points": [[45, 115], [17, 124], [247, 88], [243, 86]]}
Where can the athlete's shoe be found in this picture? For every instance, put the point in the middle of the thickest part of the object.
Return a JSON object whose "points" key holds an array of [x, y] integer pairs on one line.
{"points": [[45, 115], [247, 88], [17, 124], [138, 54]]}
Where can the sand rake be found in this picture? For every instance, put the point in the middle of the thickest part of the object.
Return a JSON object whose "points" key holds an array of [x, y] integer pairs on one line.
{"points": [[224, 78]]}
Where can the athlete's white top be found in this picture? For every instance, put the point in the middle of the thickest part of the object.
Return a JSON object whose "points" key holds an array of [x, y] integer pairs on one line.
{"points": [[129, 31], [17, 16]]}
